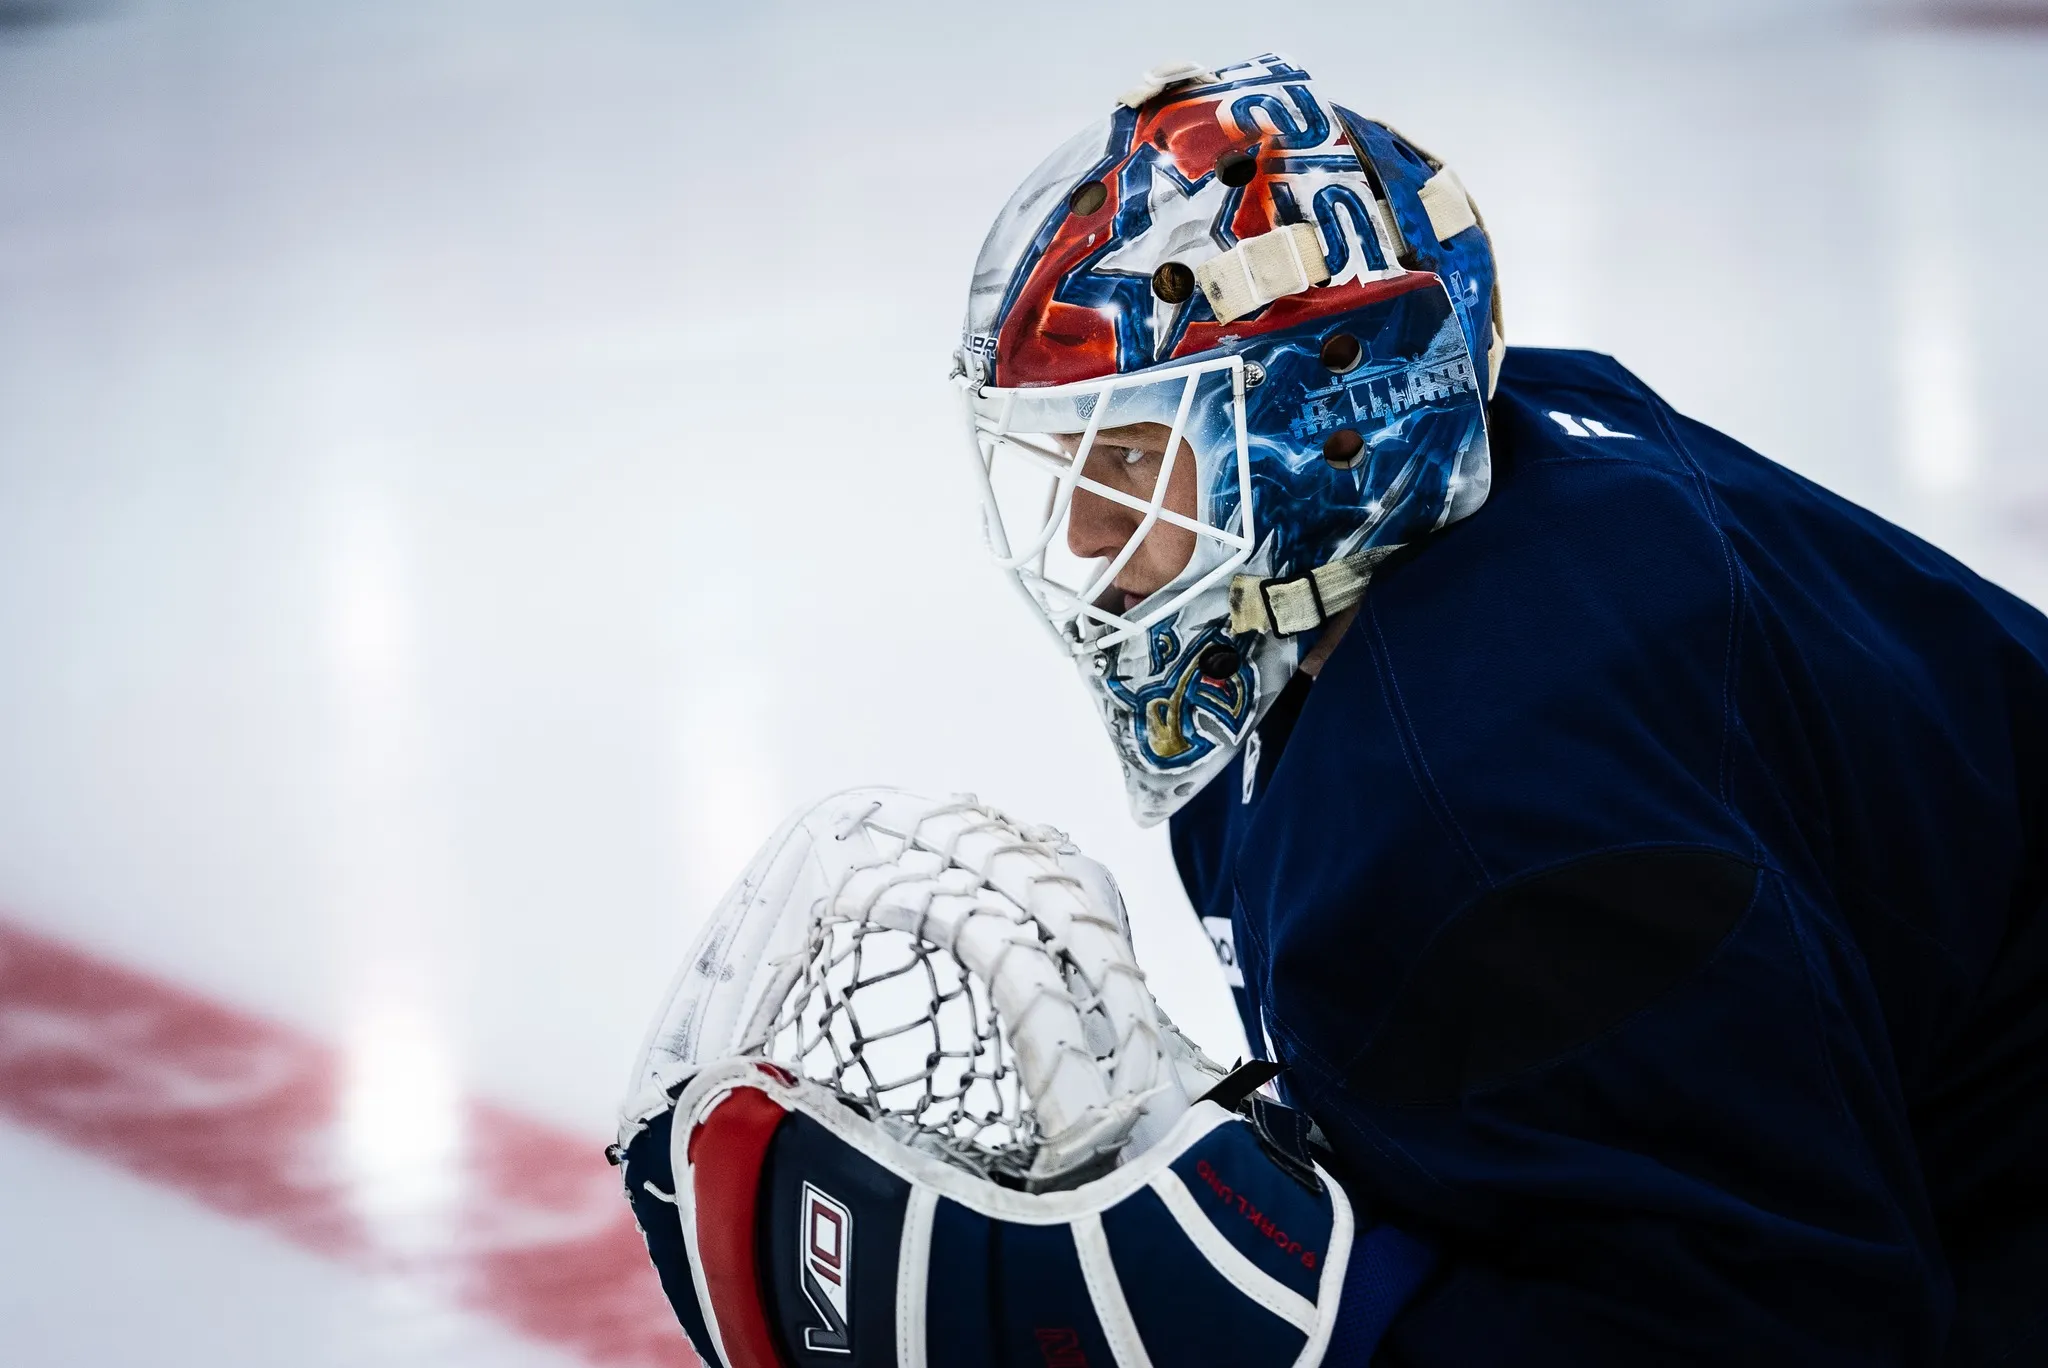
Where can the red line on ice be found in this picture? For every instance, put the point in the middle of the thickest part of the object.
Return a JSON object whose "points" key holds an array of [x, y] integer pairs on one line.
{"points": [[243, 1115]]}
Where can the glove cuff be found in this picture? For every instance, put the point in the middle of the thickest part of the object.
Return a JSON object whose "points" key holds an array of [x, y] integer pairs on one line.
{"points": [[830, 1237]]}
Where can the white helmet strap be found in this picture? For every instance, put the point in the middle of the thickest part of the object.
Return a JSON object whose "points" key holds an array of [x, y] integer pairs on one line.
{"points": [[1289, 604]]}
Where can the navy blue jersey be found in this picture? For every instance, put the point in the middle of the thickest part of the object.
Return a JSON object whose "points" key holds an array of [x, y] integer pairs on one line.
{"points": [[1650, 902]]}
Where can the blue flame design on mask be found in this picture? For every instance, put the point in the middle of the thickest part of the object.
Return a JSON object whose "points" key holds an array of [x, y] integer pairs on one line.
{"points": [[1413, 399]]}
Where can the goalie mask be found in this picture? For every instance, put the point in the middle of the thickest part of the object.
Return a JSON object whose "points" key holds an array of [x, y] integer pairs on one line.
{"points": [[1252, 334]]}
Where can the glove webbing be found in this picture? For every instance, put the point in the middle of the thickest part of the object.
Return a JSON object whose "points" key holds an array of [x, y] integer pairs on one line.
{"points": [[1288, 604]]}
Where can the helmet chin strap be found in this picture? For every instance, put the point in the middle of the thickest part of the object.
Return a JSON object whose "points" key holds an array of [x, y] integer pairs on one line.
{"points": [[1289, 604]]}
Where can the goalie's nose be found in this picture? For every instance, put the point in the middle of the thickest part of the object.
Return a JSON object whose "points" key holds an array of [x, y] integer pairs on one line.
{"points": [[1097, 528]]}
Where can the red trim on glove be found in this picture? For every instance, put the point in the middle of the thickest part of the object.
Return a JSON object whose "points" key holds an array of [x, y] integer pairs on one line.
{"points": [[725, 1154]]}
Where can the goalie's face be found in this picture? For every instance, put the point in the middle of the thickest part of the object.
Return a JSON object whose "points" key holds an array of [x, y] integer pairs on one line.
{"points": [[1114, 501], [1132, 460]]}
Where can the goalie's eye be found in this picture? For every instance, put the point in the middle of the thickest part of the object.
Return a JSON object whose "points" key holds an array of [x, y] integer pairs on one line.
{"points": [[1133, 455]]}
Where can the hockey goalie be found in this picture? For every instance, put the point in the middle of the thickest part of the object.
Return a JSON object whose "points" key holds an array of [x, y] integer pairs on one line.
{"points": [[1632, 858]]}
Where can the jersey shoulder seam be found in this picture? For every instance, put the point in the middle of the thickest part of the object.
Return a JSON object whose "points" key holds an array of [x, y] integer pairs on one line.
{"points": [[1412, 753], [1710, 509]]}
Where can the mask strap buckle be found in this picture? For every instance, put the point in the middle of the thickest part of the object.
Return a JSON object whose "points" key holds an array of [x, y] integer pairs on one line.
{"points": [[1289, 605], [1294, 604]]}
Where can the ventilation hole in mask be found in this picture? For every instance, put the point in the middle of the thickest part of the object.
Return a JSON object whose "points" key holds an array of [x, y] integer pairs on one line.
{"points": [[1341, 352], [1174, 283], [1236, 169], [1342, 448]]}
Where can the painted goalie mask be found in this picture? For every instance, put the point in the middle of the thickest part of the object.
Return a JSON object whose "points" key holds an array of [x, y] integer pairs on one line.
{"points": [[1298, 306]]}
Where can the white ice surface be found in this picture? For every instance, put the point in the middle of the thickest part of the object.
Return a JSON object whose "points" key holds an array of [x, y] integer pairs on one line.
{"points": [[103, 1270], [466, 468]]}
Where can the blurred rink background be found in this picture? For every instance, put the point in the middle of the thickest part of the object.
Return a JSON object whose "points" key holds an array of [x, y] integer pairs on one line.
{"points": [[466, 469]]}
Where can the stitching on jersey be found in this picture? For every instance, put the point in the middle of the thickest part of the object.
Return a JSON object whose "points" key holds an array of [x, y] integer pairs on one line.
{"points": [[1802, 942], [1257, 988], [1730, 720], [1387, 1147], [1326, 1083], [1411, 750]]}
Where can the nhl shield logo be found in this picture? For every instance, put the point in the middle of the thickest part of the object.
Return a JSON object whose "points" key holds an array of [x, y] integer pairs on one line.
{"points": [[825, 1249]]}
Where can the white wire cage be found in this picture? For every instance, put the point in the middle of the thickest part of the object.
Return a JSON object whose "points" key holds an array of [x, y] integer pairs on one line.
{"points": [[1032, 452]]}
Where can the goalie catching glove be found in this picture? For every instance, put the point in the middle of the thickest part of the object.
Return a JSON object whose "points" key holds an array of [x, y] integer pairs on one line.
{"points": [[910, 1103]]}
